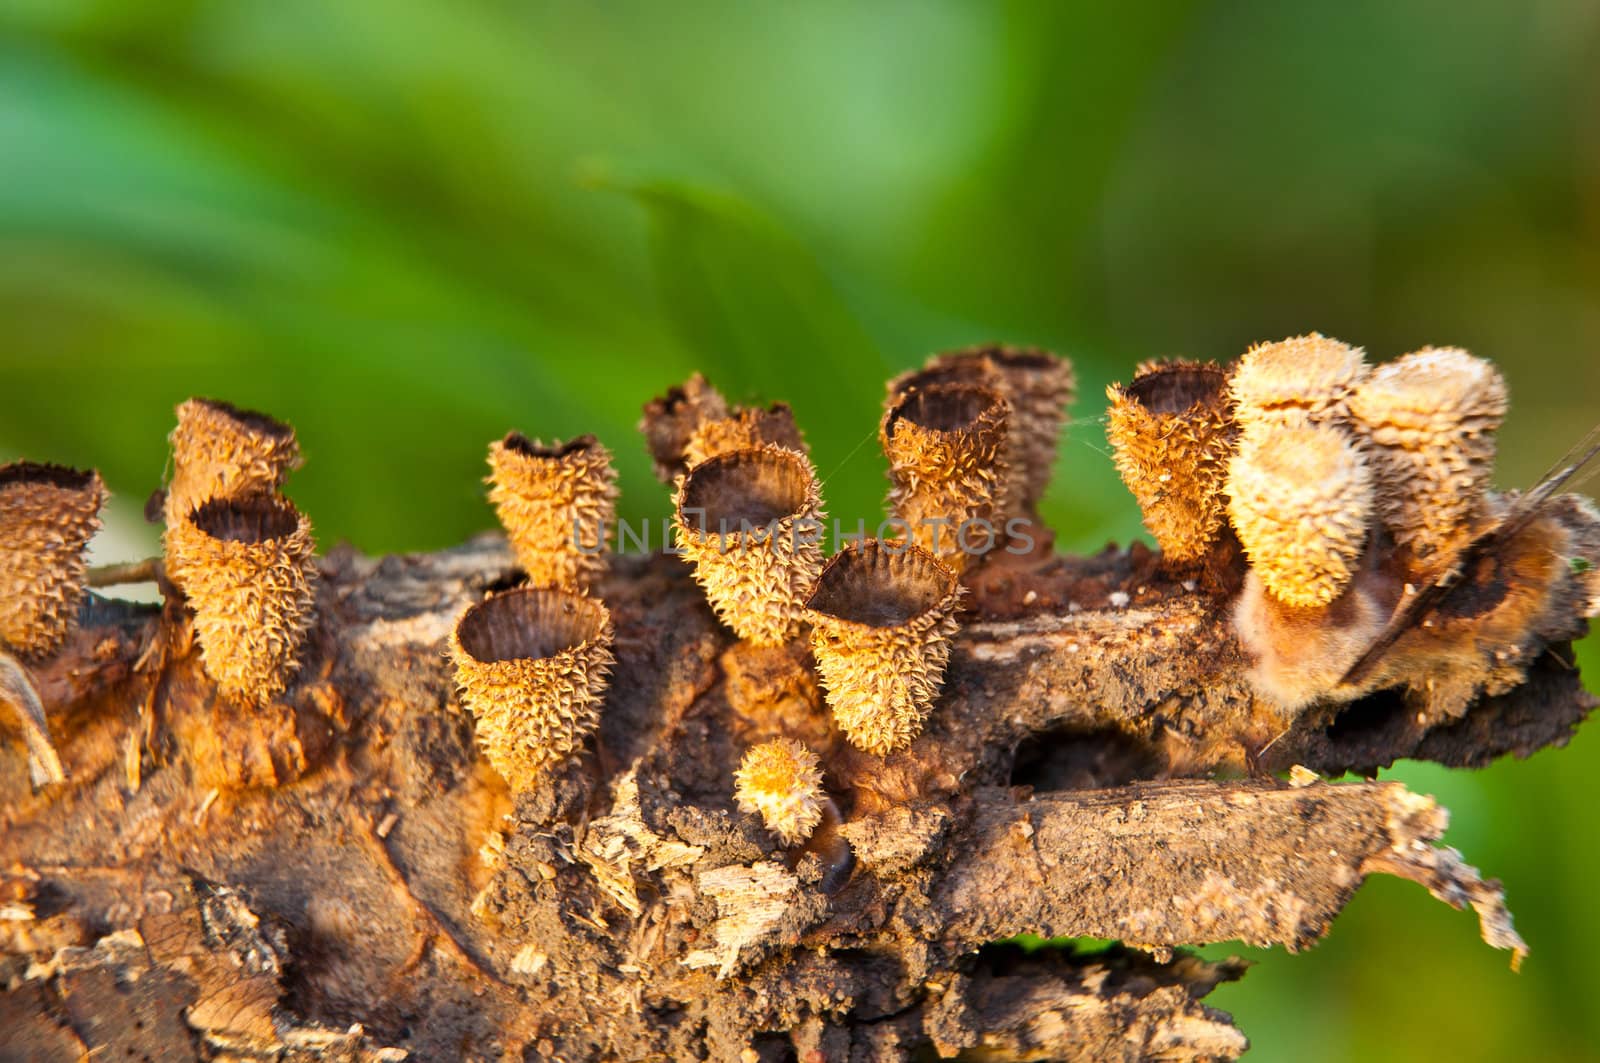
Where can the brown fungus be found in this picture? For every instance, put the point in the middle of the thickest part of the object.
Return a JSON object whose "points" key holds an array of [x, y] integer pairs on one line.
{"points": [[1430, 419], [250, 576], [557, 504], [750, 522], [1300, 653], [1300, 498], [222, 451], [671, 420], [744, 429], [1172, 432], [48, 514], [1300, 379], [1037, 384], [533, 665], [948, 468], [882, 616], [782, 781]]}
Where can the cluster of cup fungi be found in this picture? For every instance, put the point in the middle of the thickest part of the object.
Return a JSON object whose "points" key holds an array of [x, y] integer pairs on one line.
{"points": [[1313, 462]]}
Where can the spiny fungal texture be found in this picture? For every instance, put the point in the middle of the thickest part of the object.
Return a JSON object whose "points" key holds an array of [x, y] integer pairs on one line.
{"points": [[949, 469], [1171, 432], [882, 616], [1430, 418], [557, 504], [750, 522], [782, 780], [250, 576], [48, 514], [532, 665], [1300, 498]]}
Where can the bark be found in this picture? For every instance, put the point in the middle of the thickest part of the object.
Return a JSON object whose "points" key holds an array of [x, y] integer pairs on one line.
{"points": [[339, 876]]}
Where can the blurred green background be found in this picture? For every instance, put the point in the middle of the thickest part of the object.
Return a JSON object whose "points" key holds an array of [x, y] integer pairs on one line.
{"points": [[409, 226]]}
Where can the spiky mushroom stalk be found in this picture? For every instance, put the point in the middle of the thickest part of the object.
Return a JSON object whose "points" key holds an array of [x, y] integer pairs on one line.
{"points": [[745, 429], [1172, 432], [1293, 381], [882, 615], [1430, 418], [557, 504], [250, 577], [782, 780], [533, 665], [750, 523], [1301, 499], [222, 451], [48, 514], [948, 468], [670, 421], [1038, 385]]}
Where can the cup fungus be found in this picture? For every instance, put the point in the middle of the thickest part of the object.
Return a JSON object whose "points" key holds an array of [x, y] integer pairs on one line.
{"points": [[1301, 498], [743, 430], [250, 576], [48, 514], [882, 614], [221, 451], [557, 504], [532, 665], [671, 420], [750, 523], [1430, 418], [1303, 378], [1172, 432], [948, 467], [782, 781], [1038, 386]]}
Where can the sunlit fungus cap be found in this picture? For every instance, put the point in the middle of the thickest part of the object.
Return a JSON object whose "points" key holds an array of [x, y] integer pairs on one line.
{"points": [[782, 781], [222, 451], [533, 665], [882, 615], [747, 428], [250, 577], [1301, 499], [947, 446], [750, 522], [1430, 418], [557, 504], [1172, 432], [671, 420], [48, 514], [1037, 384], [1303, 378]]}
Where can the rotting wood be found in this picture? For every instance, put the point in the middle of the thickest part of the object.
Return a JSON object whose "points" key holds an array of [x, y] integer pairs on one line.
{"points": [[626, 909]]}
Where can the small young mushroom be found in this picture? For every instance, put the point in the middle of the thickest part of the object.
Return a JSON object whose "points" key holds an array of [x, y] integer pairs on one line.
{"points": [[250, 575], [1300, 379], [744, 429], [1301, 499], [1430, 418], [533, 665], [557, 504], [48, 514], [750, 523], [221, 451], [882, 615], [948, 468], [781, 779], [1172, 432], [671, 420]]}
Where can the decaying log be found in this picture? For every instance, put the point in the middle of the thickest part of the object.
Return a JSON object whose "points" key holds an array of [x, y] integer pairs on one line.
{"points": [[338, 875]]}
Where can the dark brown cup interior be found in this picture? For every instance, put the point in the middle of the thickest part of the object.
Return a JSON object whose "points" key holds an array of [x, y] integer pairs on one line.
{"points": [[528, 624]]}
